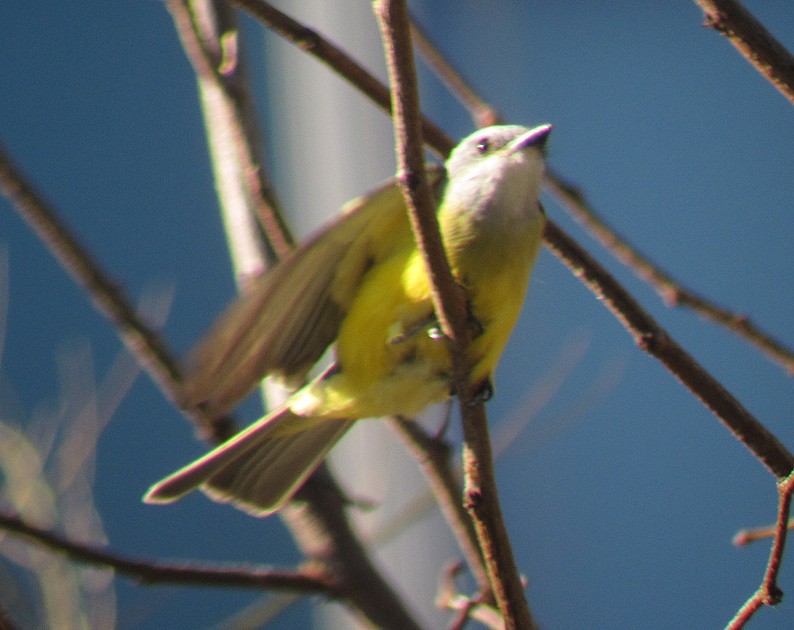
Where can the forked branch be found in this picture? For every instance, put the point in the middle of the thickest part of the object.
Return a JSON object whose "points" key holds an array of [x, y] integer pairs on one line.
{"points": [[769, 594]]}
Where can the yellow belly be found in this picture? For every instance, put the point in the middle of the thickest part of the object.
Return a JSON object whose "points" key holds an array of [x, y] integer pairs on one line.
{"points": [[389, 362]]}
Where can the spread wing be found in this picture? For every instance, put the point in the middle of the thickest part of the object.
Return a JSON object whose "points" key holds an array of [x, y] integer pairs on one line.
{"points": [[291, 315]]}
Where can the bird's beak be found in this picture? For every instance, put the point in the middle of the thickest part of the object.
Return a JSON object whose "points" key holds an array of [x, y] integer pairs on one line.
{"points": [[533, 138]]}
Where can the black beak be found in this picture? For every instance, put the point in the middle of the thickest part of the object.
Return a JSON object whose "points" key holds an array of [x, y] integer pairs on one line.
{"points": [[533, 138]]}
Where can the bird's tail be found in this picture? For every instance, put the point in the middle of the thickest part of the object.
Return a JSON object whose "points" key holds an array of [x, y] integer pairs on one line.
{"points": [[260, 468]]}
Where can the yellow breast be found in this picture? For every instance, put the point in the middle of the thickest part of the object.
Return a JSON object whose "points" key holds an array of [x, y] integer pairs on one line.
{"points": [[389, 360]]}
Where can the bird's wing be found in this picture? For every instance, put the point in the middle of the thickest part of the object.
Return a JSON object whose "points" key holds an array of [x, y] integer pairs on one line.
{"points": [[293, 313]]}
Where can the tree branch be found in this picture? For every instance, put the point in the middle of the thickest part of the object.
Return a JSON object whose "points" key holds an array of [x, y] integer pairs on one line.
{"points": [[318, 46], [671, 291], [433, 455], [105, 294], [311, 580], [753, 41], [317, 519], [210, 37], [745, 537], [467, 608], [481, 493], [654, 340], [768, 594], [483, 114]]}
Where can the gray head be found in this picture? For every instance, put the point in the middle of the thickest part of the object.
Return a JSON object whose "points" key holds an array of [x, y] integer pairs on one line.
{"points": [[498, 171]]}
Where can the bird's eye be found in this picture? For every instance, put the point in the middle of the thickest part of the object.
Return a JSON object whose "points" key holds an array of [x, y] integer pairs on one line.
{"points": [[483, 146]]}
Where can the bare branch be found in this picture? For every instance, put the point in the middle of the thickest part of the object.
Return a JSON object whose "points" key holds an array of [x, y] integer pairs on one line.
{"points": [[768, 594], [753, 41], [321, 528], [448, 300], [467, 608], [310, 580], [484, 115], [106, 295], [433, 455], [654, 340], [481, 494], [671, 291], [334, 57], [209, 36]]}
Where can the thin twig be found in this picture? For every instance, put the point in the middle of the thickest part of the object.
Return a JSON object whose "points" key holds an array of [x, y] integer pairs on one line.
{"points": [[318, 46], [769, 594], [753, 41], [448, 300], [209, 36], [449, 598], [484, 115], [654, 340], [309, 581], [671, 291], [318, 520], [433, 455], [106, 296], [748, 536], [481, 494]]}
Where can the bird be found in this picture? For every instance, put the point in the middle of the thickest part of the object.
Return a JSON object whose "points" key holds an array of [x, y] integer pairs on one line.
{"points": [[360, 286]]}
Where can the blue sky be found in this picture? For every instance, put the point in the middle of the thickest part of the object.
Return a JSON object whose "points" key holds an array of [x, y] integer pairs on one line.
{"points": [[624, 492]]}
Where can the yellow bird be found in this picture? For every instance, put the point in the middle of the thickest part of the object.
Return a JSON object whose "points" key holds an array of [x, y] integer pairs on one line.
{"points": [[362, 284]]}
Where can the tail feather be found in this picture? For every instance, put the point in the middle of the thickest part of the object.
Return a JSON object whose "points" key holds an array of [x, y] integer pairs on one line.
{"points": [[261, 481], [260, 468]]}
